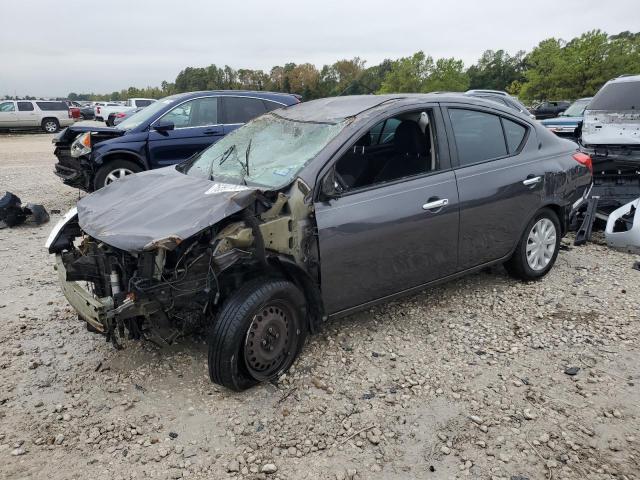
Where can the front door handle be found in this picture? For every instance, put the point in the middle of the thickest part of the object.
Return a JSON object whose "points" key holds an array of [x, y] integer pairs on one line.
{"points": [[211, 132], [436, 204], [532, 181]]}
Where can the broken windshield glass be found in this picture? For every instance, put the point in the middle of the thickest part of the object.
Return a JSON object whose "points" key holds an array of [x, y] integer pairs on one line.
{"points": [[268, 151]]}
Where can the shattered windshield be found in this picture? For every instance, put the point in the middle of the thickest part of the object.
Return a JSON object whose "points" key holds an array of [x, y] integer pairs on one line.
{"points": [[268, 151], [145, 114]]}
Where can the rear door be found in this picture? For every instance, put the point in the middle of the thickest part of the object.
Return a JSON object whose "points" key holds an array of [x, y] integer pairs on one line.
{"points": [[236, 111], [197, 126], [383, 236], [500, 180], [8, 114], [27, 114]]}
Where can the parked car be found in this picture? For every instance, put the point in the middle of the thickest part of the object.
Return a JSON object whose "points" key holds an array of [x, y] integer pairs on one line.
{"points": [[48, 115], [550, 109], [87, 112], [117, 118], [611, 136], [568, 123], [164, 133], [314, 211], [102, 112], [502, 98]]}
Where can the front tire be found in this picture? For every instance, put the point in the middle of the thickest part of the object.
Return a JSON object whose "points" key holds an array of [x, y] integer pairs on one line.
{"points": [[538, 247], [258, 333], [114, 170], [50, 125]]}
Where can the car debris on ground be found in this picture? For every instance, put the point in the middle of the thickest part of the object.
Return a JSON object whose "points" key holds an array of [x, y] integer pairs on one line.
{"points": [[12, 213]]}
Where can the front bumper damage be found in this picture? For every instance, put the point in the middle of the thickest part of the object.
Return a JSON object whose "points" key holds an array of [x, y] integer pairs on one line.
{"points": [[94, 311]]}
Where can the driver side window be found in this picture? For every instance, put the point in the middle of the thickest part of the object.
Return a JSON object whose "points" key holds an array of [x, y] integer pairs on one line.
{"points": [[397, 147]]}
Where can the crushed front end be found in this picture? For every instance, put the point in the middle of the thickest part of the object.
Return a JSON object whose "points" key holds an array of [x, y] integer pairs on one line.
{"points": [[174, 284]]}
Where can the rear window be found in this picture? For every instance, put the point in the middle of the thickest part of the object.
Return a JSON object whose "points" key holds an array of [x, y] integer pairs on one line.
{"points": [[143, 103], [617, 96], [52, 106]]}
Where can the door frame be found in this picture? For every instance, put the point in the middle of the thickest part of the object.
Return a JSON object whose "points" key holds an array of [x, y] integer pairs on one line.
{"points": [[441, 139]]}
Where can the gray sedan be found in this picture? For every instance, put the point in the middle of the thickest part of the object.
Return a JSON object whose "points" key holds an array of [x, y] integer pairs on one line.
{"points": [[315, 211]]}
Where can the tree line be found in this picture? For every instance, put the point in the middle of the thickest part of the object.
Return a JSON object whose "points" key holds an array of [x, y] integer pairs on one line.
{"points": [[554, 69]]}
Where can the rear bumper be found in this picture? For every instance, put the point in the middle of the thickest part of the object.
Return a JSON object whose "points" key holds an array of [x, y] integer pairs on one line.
{"points": [[92, 310]]}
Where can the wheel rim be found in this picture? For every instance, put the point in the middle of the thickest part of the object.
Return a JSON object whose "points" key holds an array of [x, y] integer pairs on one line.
{"points": [[117, 174], [270, 338], [541, 244], [50, 127]]}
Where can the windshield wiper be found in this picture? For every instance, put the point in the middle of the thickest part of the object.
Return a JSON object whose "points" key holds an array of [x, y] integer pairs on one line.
{"points": [[246, 157], [226, 154]]}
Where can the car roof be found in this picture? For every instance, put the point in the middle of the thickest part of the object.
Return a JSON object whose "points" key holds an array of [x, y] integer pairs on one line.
{"points": [[287, 98], [495, 92], [625, 78], [335, 109]]}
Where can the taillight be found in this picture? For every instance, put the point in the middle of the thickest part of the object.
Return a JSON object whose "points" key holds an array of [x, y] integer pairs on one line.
{"points": [[98, 109], [583, 159], [120, 115], [69, 112]]}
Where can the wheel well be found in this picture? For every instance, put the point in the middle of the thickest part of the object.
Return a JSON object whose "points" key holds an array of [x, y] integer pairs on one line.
{"points": [[560, 212], [283, 268], [49, 118], [122, 156]]}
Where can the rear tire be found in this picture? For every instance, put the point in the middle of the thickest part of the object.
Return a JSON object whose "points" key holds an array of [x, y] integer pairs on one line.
{"points": [[538, 247], [114, 170], [258, 333], [50, 125]]}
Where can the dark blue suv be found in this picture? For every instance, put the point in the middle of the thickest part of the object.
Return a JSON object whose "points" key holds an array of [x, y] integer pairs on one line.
{"points": [[165, 133]]}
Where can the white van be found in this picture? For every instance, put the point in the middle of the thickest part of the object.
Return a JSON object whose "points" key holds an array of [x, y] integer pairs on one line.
{"points": [[48, 115], [613, 115]]}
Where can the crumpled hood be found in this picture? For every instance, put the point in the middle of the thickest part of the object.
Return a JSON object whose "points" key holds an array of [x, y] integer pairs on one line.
{"points": [[157, 204]]}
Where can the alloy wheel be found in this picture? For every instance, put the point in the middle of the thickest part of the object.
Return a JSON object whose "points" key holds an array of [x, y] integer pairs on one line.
{"points": [[116, 174], [50, 127], [541, 244]]}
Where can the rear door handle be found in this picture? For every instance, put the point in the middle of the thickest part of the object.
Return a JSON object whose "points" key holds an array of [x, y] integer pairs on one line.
{"points": [[436, 204], [211, 132], [531, 181]]}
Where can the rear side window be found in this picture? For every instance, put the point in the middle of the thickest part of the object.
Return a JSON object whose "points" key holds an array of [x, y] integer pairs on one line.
{"points": [[617, 96], [7, 107], [52, 106], [514, 133], [241, 109], [25, 106], [143, 103], [268, 105], [478, 136]]}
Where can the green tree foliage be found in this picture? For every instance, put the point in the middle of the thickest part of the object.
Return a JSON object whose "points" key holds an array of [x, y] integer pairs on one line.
{"points": [[496, 70], [554, 69]]}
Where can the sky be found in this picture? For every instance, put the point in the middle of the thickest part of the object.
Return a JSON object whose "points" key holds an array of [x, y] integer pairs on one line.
{"points": [[51, 48]]}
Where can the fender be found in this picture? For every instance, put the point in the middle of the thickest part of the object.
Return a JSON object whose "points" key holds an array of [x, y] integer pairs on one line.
{"points": [[100, 160]]}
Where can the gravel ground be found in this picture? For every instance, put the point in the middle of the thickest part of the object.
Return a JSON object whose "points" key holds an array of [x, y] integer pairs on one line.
{"points": [[480, 378]]}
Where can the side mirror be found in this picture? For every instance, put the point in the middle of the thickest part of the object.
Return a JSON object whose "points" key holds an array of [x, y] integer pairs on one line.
{"points": [[163, 126], [330, 186]]}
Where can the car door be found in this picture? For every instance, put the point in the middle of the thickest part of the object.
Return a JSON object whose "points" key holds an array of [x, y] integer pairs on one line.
{"points": [[8, 114], [196, 127], [381, 237], [500, 181], [27, 115], [236, 111]]}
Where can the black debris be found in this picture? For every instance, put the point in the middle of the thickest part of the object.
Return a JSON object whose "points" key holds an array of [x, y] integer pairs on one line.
{"points": [[173, 435], [636, 265], [12, 213], [368, 396], [572, 370]]}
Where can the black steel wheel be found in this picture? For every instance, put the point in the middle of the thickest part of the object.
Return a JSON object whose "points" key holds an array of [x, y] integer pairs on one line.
{"points": [[258, 333]]}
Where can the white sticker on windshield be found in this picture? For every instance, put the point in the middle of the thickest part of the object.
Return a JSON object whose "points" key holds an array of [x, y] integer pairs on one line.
{"points": [[225, 187]]}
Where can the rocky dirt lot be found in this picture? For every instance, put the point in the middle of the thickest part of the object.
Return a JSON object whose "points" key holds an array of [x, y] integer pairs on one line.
{"points": [[482, 378]]}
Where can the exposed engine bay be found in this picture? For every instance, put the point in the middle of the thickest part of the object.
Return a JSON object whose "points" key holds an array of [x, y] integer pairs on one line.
{"points": [[173, 286]]}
